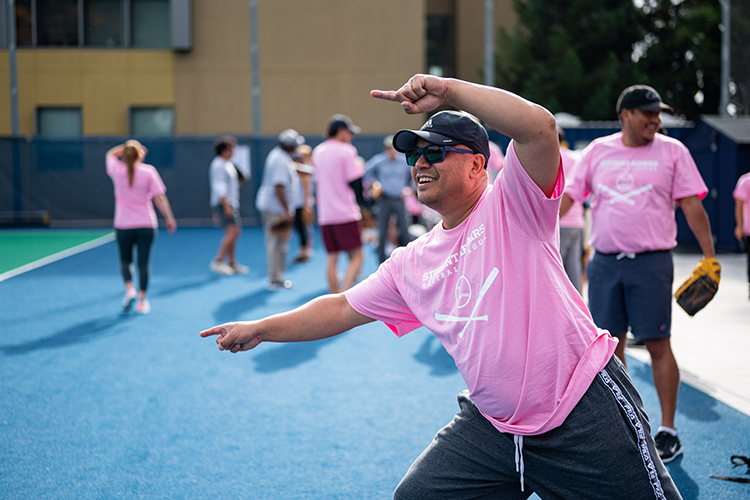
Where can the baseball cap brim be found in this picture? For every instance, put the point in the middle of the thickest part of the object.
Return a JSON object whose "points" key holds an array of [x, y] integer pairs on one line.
{"points": [[656, 105], [407, 139]]}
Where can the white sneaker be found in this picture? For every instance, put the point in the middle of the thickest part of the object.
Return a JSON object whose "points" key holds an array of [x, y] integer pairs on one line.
{"points": [[129, 300], [221, 268], [240, 269], [143, 307], [284, 285]]}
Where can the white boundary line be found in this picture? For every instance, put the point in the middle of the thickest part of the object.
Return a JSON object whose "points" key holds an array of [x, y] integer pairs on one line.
{"points": [[58, 256], [707, 387]]}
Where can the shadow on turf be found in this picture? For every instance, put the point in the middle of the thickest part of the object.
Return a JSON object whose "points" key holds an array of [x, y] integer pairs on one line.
{"points": [[287, 356], [691, 402], [82, 332], [437, 358]]}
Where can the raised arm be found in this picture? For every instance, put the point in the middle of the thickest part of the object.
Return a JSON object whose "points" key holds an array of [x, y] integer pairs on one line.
{"points": [[531, 126], [115, 151], [320, 318]]}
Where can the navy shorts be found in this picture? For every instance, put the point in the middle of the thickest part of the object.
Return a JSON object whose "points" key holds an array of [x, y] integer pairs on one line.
{"points": [[635, 292], [342, 237]]}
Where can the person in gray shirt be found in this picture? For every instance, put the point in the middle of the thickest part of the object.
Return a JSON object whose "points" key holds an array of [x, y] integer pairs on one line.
{"points": [[390, 176]]}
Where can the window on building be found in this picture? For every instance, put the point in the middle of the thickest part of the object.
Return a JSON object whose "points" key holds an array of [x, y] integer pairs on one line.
{"points": [[149, 21], [150, 121], [104, 24], [59, 122], [24, 22], [57, 22], [440, 45]]}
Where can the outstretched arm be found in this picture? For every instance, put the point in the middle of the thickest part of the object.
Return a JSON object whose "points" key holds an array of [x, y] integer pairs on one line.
{"points": [[320, 318], [531, 126]]}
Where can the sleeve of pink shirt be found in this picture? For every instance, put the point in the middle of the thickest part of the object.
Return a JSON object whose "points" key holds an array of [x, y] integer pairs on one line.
{"points": [[155, 185], [354, 167], [377, 298], [687, 179], [112, 162], [525, 202]]}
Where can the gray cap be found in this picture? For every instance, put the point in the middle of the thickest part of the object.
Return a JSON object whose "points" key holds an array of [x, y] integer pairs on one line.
{"points": [[289, 138]]}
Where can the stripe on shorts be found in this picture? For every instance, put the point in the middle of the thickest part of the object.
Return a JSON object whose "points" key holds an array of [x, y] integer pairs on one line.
{"points": [[635, 423]]}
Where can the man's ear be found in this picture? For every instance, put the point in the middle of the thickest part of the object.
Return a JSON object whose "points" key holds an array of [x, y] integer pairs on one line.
{"points": [[477, 164]]}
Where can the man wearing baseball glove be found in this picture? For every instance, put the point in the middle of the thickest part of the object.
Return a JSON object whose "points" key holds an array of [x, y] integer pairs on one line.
{"points": [[636, 176]]}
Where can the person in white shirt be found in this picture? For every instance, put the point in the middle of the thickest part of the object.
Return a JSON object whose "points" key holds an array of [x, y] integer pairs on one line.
{"points": [[279, 188]]}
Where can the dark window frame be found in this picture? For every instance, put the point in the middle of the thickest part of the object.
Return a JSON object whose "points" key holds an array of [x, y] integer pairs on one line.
{"points": [[38, 110]]}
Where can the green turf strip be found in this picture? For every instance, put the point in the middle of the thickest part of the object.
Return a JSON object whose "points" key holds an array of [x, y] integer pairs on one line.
{"points": [[20, 247]]}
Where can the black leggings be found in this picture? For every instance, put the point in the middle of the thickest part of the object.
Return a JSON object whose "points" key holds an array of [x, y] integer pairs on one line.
{"points": [[299, 225], [143, 238]]}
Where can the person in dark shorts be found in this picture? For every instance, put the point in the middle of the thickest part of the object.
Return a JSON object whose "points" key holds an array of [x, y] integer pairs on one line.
{"points": [[549, 407], [338, 179], [636, 176]]}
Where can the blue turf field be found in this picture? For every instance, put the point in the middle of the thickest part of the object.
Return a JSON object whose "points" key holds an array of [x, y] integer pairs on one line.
{"points": [[98, 405]]}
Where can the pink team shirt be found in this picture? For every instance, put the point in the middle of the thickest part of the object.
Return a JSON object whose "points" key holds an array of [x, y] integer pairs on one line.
{"points": [[133, 206], [634, 192], [742, 192], [494, 291], [574, 216], [336, 165]]}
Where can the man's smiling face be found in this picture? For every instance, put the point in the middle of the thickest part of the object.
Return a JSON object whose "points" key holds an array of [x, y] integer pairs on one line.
{"points": [[440, 183]]}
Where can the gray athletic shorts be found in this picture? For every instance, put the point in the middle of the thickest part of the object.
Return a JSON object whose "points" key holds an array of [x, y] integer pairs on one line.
{"points": [[632, 292], [603, 450], [222, 218]]}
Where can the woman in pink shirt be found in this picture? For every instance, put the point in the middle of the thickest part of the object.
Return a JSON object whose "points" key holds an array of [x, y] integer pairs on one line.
{"points": [[136, 185]]}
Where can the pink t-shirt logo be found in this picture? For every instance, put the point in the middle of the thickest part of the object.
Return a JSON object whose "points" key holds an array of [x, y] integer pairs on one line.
{"points": [[463, 296]]}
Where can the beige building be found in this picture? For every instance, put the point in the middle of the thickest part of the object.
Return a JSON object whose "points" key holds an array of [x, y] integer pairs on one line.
{"points": [[186, 67]]}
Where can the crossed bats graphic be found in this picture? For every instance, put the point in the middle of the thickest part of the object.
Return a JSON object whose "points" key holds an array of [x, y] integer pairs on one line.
{"points": [[457, 319], [624, 196]]}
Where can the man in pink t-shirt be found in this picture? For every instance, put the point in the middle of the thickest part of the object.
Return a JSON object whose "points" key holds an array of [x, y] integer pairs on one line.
{"points": [[338, 177], [742, 215], [636, 176], [549, 408]]}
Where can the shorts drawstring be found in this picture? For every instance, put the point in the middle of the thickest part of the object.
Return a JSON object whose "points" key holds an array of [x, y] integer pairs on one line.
{"points": [[622, 255], [518, 441]]}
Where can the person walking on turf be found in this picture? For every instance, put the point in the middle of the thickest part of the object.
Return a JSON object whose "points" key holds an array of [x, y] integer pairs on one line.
{"points": [[225, 206], [338, 179], [275, 202], [137, 187], [636, 176], [549, 408]]}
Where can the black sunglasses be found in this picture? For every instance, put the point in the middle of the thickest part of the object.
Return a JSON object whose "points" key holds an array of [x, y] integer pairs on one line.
{"points": [[432, 154]]}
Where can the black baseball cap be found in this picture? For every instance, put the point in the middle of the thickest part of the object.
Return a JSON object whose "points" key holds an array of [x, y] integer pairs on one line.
{"points": [[641, 97], [341, 121], [447, 128]]}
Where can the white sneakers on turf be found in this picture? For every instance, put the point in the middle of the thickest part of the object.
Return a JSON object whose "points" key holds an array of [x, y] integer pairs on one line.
{"points": [[221, 268], [240, 269], [129, 300], [143, 307], [282, 285]]}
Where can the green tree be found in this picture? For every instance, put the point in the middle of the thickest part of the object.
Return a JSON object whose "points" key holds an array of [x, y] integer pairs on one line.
{"points": [[680, 53], [577, 55], [571, 55]]}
